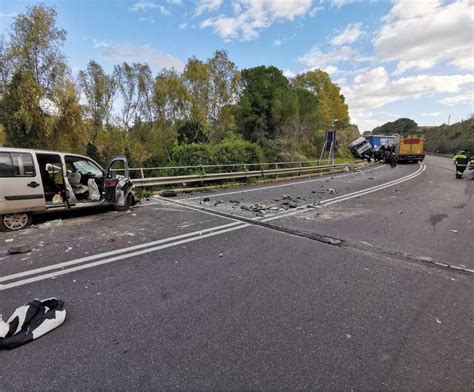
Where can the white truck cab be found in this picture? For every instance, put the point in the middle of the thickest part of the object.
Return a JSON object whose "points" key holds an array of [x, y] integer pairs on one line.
{"points": [[33, 181], [361, 148]]}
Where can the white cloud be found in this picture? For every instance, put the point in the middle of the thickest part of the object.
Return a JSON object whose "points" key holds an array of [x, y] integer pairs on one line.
{"points": [[100, 44], [277, 42], [420, 34], [431, 114], [340, 3], [366, 121], [350, 35], [374, 89], [315, 10], [251, 16], [143, 54], [404, 66], [207, 6], [288, 74], [182, 26], [327, 61], [148, 5], [466, 98]]}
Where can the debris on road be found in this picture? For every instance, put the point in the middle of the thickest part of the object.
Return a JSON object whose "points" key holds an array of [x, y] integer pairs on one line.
{"points": [[53, 223], [331, 191], [168, 193], [111, 239], [258, 208], [454, 231], [19, 249], [31, 321], [9, 240]]}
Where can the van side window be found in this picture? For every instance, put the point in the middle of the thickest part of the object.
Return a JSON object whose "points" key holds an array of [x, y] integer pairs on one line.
{"points": [[23, 164], [6, 165]]}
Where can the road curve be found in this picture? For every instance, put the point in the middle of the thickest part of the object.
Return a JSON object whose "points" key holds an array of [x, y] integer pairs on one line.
{"points": [[197, 297]]}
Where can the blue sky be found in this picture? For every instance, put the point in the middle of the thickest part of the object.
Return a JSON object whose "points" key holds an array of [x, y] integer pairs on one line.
{"points": [[405, 58]]}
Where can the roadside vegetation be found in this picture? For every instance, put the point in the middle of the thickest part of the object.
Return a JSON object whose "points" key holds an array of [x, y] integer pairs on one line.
{"points": [[443, 139], [448, 139], [210, 113]]}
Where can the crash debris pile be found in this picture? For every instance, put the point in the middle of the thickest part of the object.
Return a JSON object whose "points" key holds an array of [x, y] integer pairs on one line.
{"points": [[284, 203]]}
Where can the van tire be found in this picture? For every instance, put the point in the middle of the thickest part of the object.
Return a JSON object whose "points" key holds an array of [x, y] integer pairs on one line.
{"points": [[15, 222], [127, 205]]}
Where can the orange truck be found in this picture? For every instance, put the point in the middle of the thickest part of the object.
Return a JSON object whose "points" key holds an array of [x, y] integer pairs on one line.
{"points": [[411, 148]]}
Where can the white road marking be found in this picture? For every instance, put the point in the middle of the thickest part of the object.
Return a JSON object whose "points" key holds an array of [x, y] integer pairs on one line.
{"points": [[125, 253], [117, 258], [349, 196], [276, 186], [323, 203], [197, 233], [376, 188]]}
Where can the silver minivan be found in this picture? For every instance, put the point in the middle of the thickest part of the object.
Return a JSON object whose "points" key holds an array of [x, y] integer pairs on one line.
{"points": [[33, 181]]}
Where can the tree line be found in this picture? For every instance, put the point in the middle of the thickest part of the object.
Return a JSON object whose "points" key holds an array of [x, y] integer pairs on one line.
{"points": [[444, 139], [209, 112]]}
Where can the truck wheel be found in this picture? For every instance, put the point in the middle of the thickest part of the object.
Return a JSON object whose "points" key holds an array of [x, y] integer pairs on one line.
{"points": [[14, 222], [127, 205]]}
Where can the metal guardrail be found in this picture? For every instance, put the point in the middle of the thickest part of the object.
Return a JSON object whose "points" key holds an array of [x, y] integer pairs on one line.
{"points": [[261, 172]]}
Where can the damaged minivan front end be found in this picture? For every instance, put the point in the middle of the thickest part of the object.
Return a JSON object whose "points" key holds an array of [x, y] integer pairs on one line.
{"points": [[119, 188], [36, 181]]}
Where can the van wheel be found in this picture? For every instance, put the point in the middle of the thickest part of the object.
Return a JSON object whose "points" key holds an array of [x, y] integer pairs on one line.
{"points": [[14, 222], [127, 205]]}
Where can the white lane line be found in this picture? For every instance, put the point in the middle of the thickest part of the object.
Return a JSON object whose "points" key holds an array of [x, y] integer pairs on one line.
{"points": [[120, 252], [116, 258], [381, 186], [197, 233], [349, 195], [368, 191], [277, 186], [323, 203]]}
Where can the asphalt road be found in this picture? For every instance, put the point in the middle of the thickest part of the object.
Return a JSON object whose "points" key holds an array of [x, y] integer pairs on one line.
{"points": [[357, 281]]}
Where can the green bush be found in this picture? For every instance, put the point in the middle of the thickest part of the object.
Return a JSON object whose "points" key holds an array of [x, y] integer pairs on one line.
{"points": [[191, 155], [232, 150]]}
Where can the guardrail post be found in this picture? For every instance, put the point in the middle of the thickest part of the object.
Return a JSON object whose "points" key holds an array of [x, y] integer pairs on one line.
{"points": [[299, 173], [141, 172]]}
